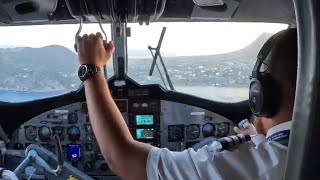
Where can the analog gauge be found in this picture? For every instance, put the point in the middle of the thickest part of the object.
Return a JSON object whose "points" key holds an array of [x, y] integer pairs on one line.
{"points": [[44, 133], [175, 133], [193, 131], [73, 133], [222, 130], [208, 130], [31, 133], [72, 118]]}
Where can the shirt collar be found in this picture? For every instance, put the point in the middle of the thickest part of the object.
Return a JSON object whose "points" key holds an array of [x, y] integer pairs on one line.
{"points": [[278, 128]]}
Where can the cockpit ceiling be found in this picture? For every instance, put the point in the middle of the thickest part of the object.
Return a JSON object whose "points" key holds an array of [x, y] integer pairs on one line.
{"points": [[29, 12]]}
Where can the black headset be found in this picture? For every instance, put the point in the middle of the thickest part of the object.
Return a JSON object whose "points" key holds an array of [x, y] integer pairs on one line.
{"points": [[264, 91]]}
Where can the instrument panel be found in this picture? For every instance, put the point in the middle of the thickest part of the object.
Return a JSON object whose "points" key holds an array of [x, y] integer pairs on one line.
{"points": [[161, 123], [183, 125]]}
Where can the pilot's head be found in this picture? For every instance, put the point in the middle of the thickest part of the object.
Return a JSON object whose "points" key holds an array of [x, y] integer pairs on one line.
{"points": [[272, 89], [283, 68]]}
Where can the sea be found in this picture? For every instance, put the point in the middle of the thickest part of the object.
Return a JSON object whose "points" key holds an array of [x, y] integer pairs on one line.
{"points": [[23, 96]]}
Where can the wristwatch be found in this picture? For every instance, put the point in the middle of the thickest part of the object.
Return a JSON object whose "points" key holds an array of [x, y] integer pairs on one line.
{"points": [[87, 70]]}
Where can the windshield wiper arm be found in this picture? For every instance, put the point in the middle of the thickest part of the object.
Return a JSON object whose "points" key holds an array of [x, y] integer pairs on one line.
{"points": [[161, 76], [154, 62], [157, 50]]}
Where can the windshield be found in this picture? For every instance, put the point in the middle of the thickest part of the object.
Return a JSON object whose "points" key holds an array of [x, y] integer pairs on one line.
{"points": [[40, 61], [212, 60]]}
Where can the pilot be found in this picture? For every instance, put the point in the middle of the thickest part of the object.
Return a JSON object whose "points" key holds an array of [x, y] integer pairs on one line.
{"points": [[130, 159]]}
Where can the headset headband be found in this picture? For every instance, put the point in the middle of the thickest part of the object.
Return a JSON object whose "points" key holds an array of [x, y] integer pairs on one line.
{"points": [[264, 53]]}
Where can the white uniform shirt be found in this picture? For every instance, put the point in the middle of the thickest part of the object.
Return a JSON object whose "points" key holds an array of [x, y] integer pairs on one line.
{"points": [[265, 161]]}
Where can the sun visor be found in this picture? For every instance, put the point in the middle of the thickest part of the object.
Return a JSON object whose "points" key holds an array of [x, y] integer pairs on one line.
{"points": [[208, 2]]}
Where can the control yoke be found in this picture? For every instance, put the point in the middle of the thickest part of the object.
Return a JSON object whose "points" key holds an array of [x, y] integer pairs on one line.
{"points": [[34, 155]]}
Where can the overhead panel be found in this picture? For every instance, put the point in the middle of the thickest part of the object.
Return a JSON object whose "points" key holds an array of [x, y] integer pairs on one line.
{"points": [[4, 17], [28, 10], [178, 9], [223, 11], [25, 12]]}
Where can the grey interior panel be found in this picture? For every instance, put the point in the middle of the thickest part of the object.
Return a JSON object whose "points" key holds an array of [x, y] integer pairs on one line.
{"points": [[181, 126]]}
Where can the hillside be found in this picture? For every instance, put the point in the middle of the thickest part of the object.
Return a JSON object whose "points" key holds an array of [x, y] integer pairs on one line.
{"points": [[39, 69], [228, 70], [54, 68]]}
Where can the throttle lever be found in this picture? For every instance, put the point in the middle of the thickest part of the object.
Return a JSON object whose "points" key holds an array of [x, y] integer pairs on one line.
{"points": [[105, 42], [78, 34]]}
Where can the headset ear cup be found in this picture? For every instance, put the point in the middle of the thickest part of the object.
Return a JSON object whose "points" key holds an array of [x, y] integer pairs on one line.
{"points": [[264, 96], [271, 93], [256, 97]]}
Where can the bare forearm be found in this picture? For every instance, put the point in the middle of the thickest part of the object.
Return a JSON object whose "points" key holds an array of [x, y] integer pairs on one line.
{"points": [[107, 122], [124, 155]]}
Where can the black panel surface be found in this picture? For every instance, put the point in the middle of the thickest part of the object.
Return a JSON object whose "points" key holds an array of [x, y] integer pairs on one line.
{"points": [[15, 114]]}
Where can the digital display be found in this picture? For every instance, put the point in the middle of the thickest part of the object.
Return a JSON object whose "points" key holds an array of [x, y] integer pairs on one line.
{"points": [[144, 133], [144, 120], [73, 152]]}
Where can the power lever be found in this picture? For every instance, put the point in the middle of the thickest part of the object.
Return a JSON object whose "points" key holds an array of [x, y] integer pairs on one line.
{"points": [[105, 42]]}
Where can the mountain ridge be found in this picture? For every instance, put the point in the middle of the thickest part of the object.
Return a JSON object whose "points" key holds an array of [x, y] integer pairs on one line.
{"points": [[54, 68]]}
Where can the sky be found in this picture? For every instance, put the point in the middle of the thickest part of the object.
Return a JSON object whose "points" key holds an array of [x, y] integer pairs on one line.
{"points": [[181, 39]]}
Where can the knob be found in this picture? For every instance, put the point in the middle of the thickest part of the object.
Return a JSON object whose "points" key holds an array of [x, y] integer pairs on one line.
{"points": [[89, 138], [88, 128], [89, 147], [104, 167], [99, 155], [88, 166]]}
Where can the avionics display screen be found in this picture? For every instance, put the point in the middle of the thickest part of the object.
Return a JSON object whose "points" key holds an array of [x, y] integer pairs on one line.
{"points": [[144, 120], [144, 133]]}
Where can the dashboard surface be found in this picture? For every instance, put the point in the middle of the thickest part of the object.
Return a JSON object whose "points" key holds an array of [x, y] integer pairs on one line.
{"points": [[165, 119], [162, 123]]}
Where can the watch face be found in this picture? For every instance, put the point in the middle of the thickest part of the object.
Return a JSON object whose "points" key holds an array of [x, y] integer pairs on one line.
{"points": [[82, 71]]}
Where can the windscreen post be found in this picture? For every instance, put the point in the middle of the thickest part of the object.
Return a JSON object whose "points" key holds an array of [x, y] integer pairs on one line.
{"points": [[120, 57]]}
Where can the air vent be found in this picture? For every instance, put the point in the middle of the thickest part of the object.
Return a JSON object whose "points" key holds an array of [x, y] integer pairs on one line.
{"points": [[26, 8]]}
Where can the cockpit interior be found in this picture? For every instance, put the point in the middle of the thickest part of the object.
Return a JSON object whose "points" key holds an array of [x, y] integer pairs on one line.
{"points": [[179, 75]]}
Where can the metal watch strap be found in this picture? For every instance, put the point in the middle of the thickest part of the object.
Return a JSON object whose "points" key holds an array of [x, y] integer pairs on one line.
{"points": [[91, 70]]}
